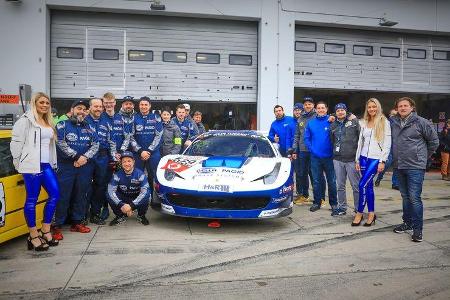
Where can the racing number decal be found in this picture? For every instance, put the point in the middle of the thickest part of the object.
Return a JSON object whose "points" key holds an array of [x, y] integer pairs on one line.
{"points": [[179, 164], [2, 205]]}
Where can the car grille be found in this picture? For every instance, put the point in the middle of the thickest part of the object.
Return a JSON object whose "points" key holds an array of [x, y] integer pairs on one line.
{"points": [[231, 203]]}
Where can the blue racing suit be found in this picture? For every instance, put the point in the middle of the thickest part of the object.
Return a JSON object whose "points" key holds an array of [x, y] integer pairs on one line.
{"points": [[132, 189], [74, 139], [122, 130], [107, 149], [148, 131], [188, 131]]}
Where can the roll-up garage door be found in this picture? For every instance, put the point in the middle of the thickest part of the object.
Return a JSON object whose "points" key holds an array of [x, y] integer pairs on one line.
{"points": [[333, 58], [167, 58]]}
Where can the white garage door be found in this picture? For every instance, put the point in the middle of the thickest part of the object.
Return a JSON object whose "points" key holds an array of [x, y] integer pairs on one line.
{"points": [[367, 60], [167, 58]]}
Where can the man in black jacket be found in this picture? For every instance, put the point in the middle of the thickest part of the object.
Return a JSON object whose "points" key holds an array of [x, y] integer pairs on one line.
{"points": [[414, 140], [344, 135]]}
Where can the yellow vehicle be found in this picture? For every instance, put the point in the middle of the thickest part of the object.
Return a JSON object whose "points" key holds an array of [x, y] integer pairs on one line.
{"points": [[12, 195]]}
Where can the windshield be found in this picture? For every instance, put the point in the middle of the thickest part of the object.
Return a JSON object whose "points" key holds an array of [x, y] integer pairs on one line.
{"points": [[231, 146]]}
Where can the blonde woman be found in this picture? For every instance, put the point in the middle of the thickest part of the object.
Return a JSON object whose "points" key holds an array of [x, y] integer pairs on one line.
{"points": [[374, 145], [34, 156]]}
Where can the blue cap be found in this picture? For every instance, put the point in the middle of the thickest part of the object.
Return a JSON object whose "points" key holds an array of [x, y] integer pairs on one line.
{"points": [[340, 106], [298, 105], [308, 99], [85, 103], [127, 154], [128, 98]]}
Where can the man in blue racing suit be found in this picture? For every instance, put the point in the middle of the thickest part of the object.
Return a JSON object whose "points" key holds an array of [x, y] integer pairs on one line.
{"points": [[128, 191]]}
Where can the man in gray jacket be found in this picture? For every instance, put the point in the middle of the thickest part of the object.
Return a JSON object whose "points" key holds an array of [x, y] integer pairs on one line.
{"points": [[344, 135], [414, 140]]}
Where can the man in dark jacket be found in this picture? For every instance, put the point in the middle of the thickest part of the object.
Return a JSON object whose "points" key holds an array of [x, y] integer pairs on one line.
{"points": [[444, 139], [344, 135], [414, 140]]}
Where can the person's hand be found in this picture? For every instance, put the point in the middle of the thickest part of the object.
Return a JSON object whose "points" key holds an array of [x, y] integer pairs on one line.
{"points": [[294, 156], [276, 139], [331, 119], [351, 117], [82, 160], [358, 167], [117, 156], [126, 209], [187, 143], [145, 155], [76, 164], [380, 167]]}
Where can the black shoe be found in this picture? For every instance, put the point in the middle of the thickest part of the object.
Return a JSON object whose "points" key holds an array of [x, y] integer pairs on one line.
{"points": [[43, 246], [105, 213], [402, 228], [97, 220], [377, 182], [52, 243], [143, 220], [371, 223], [337, 212], [359, 223], [395, 187], [314, 208], [84, 222], [417, 236], [118, 220]]}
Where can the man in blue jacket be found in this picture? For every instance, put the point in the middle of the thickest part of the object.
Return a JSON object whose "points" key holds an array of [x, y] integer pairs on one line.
{"points": [[188, 131], [123, 126], [128, 191], [77, 147], [282, 130], [318, 141], [100, 125], [146, 139]]}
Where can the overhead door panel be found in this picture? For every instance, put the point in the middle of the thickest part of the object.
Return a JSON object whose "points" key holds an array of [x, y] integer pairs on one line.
{"points": [[366, 60]]}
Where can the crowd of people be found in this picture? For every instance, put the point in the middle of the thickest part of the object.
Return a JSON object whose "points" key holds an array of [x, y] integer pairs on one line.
{"points": [[92, 159], [331, 148]]}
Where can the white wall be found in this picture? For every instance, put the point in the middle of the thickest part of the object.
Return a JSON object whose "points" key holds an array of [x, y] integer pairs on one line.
{"points": [[25, 30]]}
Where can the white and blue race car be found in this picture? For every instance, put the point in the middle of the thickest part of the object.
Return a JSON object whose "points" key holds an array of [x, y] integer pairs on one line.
{"points": [[226, 175]]}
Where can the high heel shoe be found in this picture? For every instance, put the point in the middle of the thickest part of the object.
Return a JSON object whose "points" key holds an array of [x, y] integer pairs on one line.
{"points": [[52, 243], [42, 247], [371, 223], [359, 223]]}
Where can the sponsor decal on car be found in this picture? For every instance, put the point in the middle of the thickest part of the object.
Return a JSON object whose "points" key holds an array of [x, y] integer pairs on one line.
{"points": [[286, 189], [215, 188], [280, 199], [233, 171], [206, 170], [179, 164]]}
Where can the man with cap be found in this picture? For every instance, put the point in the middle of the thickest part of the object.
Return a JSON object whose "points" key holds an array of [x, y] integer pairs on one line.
{"points": [[282, 130], [344, 136], [297, 112], [107, 149], [123, 126], [188, 131], [189, 117], [128, 191], [77, 147], [301, 153], [146, 139]]}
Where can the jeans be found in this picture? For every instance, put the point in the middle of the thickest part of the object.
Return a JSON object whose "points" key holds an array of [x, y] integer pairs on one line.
{"points": [[344, 170], [318, 167], [386, 167], [369, 168], [33, 182], [410, 184], [303, 170]]}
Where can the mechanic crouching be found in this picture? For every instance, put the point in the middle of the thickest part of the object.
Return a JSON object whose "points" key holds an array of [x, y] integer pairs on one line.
{"points": [[77, 145], [128, 191]]}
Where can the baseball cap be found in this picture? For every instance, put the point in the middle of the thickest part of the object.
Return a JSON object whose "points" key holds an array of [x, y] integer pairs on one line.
{"points": [[80, 102], [187, 106], [340, 106], [308, 99], [127, 154], [298, 105], [128, 98]]}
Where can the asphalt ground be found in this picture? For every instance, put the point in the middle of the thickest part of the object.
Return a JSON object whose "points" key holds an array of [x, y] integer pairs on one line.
{"points": [[303, 256]]}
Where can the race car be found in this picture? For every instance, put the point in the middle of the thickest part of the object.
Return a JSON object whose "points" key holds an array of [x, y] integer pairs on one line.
{"points": [[226, 175]]}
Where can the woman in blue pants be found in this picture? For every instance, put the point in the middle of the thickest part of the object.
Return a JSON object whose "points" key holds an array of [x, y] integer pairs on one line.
{"points": [[374, 145], [34, 155]]}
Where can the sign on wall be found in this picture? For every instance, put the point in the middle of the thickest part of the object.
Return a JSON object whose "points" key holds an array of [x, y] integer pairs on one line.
{"points": [[9, 99]]}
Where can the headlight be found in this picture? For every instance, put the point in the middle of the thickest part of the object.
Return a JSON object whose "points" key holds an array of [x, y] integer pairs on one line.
{"points": [[272, 176]]}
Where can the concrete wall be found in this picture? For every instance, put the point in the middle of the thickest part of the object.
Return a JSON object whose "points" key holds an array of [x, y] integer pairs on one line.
{"points": [[24, 31]]}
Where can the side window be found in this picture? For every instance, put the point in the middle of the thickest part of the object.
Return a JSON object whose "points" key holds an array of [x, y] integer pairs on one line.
{"points": [[441, 55], [175, 57], [6, 165], [238, 59], [106, 54], [334, 48], [389, 52], [363, 50], [208, 58], [140, 55], [305, 46], [69, 52], [417, 53]]}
